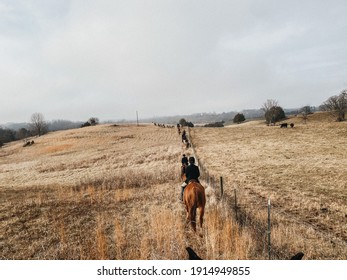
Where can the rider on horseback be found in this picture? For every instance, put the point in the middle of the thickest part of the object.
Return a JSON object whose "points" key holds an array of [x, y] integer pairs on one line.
{"points": [[184, 166], [192, 173], [184, 160]]}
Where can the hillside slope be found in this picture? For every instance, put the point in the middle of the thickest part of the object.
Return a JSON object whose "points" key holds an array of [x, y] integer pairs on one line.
{"points": [[301, 169], [106, 192], [91, 193]]}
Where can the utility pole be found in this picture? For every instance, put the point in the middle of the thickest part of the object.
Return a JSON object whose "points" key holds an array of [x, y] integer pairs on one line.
{"points": [[137, 118]]}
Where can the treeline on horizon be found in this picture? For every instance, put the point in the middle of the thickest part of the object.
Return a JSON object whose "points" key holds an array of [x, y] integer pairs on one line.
{"points": [[19, 131], [271, 110], [218, 117]]}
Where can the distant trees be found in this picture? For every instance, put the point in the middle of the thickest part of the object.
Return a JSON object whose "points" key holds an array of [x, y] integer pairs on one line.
{"points": [[272, 111], [91, 121], [22, 133], [38, 125], [337, 105], [190, 124], [86, 124], [183, 122], [6, 135], [215, 124], [305, 111], [239, 118], [56, 125]]}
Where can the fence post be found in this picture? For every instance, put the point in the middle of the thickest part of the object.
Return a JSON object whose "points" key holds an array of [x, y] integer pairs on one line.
{"points": [[221, 186], [235, 206], [269, 227]]}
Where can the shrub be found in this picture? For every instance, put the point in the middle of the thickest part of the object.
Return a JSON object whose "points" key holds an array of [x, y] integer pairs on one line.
{"points": [[275, 114], [239, 118], [216, 124], [86, 124]]}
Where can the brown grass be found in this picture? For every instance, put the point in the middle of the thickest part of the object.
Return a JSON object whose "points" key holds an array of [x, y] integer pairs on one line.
{"points": [[103, 192], [111, 192], [302, 170]]}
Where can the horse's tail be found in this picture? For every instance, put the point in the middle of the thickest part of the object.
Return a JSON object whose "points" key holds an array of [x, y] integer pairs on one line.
{"points": [[200, 202], [194, 209], [194, 197], [193, 216]]}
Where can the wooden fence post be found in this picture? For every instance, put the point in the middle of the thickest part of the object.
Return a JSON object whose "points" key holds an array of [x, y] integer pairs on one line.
{"points": [[235, 206], [269, 227], [221, 186]]}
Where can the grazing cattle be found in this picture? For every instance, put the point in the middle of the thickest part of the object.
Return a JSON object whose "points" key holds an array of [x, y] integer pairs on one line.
{"points": [[291, 125], [192, 254], [298, 256], [284, 125], [194, 198], [28, 143]]}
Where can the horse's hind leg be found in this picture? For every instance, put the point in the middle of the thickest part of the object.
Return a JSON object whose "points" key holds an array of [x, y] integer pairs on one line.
{"points": [[192, 217], [201, 218]]}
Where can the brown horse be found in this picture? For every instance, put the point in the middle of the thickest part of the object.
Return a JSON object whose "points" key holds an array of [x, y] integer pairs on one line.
{"points": [[194, 198]]}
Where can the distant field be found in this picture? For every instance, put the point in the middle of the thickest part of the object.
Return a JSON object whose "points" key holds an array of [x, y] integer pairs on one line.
{"points": [[303, 170], [105, 192], [111, 192]]}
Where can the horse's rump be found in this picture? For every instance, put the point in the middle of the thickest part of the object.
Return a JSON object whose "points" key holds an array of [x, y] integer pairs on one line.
{"points": [[194, 198]]}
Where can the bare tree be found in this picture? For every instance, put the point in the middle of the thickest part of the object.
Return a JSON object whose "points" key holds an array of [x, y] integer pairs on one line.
{"points": [[38, 124], [337, 105], [272, 111], [182, 122], [305, 111], [93, 121]]}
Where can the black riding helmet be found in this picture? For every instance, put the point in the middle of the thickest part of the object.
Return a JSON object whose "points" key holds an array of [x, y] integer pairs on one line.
{"points": [[191, 160]]}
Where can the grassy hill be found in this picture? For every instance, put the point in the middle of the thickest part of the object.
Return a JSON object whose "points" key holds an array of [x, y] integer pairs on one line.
{"points": [[111, 192], [103, 192], [301, 169]]}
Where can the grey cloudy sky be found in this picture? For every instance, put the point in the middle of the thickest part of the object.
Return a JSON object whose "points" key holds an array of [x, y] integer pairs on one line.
{"points": [[73, 59]]}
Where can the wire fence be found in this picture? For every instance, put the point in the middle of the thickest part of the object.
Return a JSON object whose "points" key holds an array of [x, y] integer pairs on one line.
{"points": [[247, 213]]}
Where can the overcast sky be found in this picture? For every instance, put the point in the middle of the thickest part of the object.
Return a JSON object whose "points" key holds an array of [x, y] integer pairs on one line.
{"points": [[73, 59]]}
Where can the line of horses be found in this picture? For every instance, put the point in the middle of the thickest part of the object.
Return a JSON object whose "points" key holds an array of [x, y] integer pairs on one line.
{"points": [[163, 125], [194, 199]]}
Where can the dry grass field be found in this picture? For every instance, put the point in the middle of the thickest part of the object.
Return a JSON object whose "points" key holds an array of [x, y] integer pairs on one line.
{"points": [[106, 192], [303, 170], [111, 192]]}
